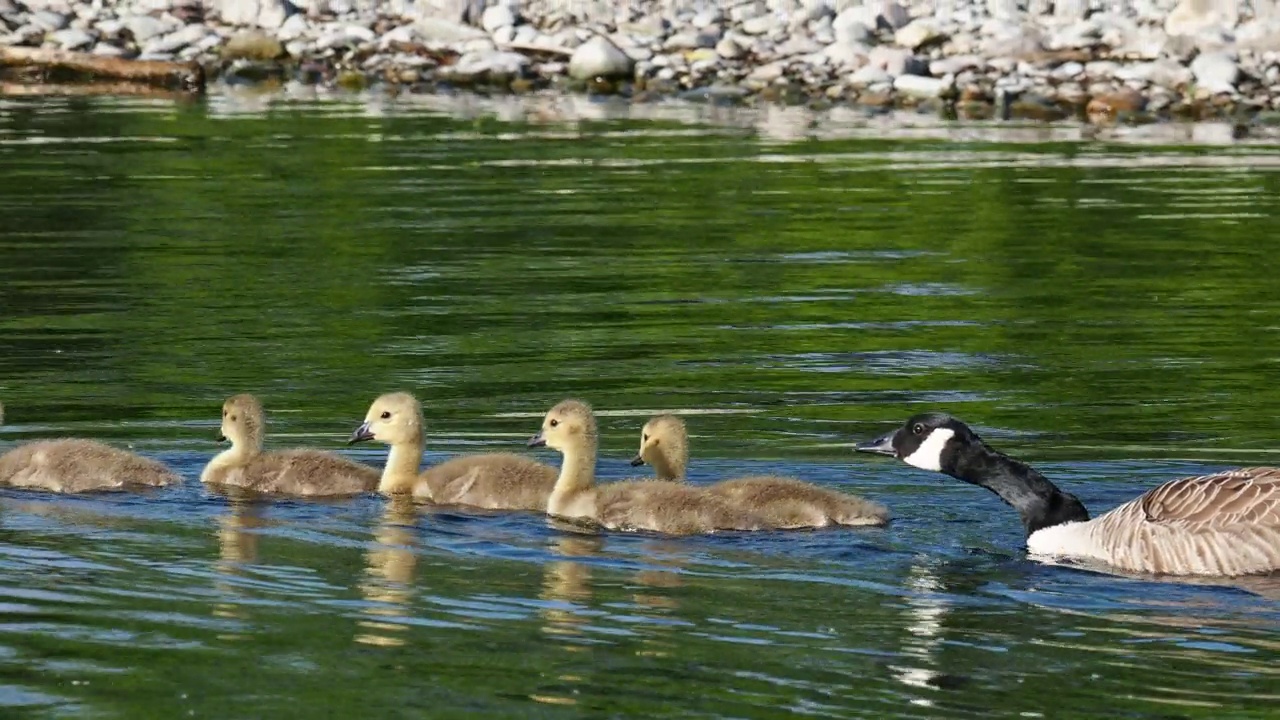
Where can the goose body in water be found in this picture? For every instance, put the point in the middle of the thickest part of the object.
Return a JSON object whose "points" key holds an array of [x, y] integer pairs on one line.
{"points": [[301, 472], [1221, 524], [493, 481], [785, 503], [655, 505], [75, 465]]}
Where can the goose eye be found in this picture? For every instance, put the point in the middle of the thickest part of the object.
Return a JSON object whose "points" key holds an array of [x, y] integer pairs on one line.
{"points": [[918, 429], [386, 415], [554, 423]]}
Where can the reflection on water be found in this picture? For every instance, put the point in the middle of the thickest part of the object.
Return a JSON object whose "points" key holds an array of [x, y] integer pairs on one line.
{"points": [[566, 586], [566, 591], [797, 282], [237, 534], [926, 610], [770, 123], [388, 587]]}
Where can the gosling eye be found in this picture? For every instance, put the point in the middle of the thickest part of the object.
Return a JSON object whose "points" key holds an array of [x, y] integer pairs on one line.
{"points": [[224, 413], [918, 429], [554, 423], [646, 437], [386, 415]]}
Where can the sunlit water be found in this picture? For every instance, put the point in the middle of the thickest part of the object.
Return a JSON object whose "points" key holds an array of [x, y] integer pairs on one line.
{"points": [[1106, 309]]}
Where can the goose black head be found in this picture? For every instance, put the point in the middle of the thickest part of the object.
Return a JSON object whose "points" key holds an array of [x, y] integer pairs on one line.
{"points": [[929, 441]]}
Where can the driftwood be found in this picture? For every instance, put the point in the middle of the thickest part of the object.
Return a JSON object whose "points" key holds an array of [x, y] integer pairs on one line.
{"points": [[533, 49], [57, 67], [13, 89]]}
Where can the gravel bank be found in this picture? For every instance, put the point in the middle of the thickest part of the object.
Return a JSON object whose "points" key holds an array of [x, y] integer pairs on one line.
{"points": [[1128, 60]]}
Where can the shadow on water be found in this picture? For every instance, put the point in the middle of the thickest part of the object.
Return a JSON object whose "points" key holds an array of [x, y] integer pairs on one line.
{"points": [[1099, 307]]}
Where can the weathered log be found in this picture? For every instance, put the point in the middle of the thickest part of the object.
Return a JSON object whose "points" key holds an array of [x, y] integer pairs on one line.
{"points": [[534, 49], [54, 67], [115, 88]]}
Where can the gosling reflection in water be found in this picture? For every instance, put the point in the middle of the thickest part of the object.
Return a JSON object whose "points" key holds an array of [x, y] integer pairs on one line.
{"points": [[669, 555], [568, 583], [237, 548], [567, 589], [389, 573]]}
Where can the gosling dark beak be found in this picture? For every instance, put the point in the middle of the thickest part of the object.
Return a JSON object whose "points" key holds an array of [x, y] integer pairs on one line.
{"points": [[220, 437], [637, 461], [537, 441], [361, 434], [882, 445]]}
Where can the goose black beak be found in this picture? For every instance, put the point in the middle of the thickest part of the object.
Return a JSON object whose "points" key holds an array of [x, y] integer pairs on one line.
{"points": [[220, 437], [361, 434], [537, 441], [637, 461], [882, 445]]}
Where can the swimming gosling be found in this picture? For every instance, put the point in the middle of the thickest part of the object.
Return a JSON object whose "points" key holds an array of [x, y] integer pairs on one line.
{"points": [[785, 503], [664, 507], [305, 473], [73, 465], [495, 481], [1222, 524]]}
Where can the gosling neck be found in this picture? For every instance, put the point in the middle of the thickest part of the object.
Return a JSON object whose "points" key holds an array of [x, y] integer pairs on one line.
{"points": [[403, 463], [669, 464], [1039, 502], [577, 473], [242, 451]]}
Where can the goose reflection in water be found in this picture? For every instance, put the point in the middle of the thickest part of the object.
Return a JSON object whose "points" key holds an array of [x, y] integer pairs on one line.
{"points": [[926, 609], [390, 566]]}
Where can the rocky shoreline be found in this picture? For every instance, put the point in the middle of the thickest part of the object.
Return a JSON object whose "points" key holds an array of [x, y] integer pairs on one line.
{"points": [[1139, 61]]}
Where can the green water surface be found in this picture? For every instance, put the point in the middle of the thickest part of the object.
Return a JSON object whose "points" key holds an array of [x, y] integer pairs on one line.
{"points": [[1108, 310]]}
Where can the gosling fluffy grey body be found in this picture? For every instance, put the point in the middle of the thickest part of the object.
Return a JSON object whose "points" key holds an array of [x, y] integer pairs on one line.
{"points": [[77, 466], [299, 472], [664, 507], [495, 481], [785, 503]]}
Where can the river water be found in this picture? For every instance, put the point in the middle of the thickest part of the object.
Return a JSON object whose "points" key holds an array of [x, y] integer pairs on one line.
{"points": [[1104, 307]]}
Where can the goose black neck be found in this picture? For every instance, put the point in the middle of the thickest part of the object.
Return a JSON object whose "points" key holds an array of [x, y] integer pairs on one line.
{"points": [[1040, 503]]}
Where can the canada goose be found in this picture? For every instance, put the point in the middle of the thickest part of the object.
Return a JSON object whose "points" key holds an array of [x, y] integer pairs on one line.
{"points": [[784, 502], [665, 507], [1223, 524], [74, 465], [307, 473], [496, 481]]}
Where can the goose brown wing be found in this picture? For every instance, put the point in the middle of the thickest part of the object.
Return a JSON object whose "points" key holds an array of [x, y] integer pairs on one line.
{"points": [[1244, 496]]}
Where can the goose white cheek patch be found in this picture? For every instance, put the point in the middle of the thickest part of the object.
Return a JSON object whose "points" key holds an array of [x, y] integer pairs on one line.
{"points": [[929, 455]]}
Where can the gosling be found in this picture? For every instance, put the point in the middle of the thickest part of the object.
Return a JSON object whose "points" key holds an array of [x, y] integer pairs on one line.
{"points": [[785, 503], [73, 465], [493, 481], [665, 507], [304, 473]]}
